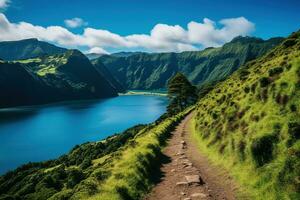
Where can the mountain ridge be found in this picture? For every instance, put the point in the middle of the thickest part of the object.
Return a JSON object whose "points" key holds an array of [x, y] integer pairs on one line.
{"points": [[153, 70], [27, 48]]}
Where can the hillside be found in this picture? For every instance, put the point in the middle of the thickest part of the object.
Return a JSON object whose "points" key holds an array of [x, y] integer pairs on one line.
{"points": [[28, 48], [60, 77], [250, 123], [107, 74], [152, 71]]}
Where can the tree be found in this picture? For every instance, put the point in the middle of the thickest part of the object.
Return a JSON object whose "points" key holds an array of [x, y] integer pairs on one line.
{"points": [[181, 94]]}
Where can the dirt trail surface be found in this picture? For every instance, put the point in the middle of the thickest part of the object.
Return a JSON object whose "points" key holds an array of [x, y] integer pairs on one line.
{"points": [[188, 175]]}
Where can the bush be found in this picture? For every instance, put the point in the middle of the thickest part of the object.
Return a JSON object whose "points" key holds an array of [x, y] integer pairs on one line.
{"points": [[74, 177], [289, 42], [264, 82], [262, 149], [275, 71]]}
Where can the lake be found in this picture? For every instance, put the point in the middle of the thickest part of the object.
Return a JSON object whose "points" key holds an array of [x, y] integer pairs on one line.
{"points": [[45, 132]]}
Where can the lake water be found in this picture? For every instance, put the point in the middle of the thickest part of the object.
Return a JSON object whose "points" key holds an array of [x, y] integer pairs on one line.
{"points": [[45, 132]]}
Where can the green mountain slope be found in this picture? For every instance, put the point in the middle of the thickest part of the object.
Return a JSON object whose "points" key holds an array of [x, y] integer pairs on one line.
{"points": [[60, 77], [250, 123], [29, 48], [152, 71], [107, 74]]}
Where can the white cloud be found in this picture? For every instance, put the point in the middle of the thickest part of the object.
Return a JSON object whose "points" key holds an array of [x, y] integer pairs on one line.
{"points": [[75, 22], [4, 4], [162, 37], [97, 50]]}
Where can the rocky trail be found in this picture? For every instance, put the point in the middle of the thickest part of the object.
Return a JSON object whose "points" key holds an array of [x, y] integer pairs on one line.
{"points": [[188, 175]]}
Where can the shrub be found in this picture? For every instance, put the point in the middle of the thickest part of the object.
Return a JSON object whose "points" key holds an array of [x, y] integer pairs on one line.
{"points": [[294, 130], [289, 42], [275, 71], [262, 149], [86, 163], [74, 177], [264, 82]]}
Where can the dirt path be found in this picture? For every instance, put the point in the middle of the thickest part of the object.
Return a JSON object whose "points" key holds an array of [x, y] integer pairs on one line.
{"points": [[189, 175]]}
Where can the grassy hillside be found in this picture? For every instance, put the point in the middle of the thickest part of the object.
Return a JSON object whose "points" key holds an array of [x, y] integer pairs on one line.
{"points": [[250, 123], [59, 77], [119, 167], [29, 48], [152, 71]]}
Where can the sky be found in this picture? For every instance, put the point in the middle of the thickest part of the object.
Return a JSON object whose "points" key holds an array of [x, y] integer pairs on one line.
{"points": [[99, 26]]}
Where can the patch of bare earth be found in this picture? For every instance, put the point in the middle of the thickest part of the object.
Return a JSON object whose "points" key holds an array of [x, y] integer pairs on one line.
{"points": [[188, 175]]}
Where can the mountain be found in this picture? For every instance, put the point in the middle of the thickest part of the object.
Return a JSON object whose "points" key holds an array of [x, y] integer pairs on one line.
{"points": [[125, 54], [152, 71], [59, 77], [108, 76], [250, 123], [28, 48], [92, 56]]}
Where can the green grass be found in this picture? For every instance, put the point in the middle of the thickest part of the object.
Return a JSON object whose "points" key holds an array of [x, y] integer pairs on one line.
{"points": [[250, 124]]}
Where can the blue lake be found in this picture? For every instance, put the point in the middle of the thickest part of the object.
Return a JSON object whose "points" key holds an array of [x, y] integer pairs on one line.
{"points": [[45, 132]]}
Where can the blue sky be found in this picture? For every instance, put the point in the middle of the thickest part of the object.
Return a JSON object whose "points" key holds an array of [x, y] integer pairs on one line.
{"points": [[128, 17]]}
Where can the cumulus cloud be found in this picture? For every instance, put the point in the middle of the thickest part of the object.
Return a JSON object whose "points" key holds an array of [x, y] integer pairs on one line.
{"points": [[75, 22], [162, 38], [97, 50], [4, 4]]}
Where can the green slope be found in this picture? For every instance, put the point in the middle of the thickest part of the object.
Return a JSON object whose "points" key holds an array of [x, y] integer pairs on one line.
{"points": [[29, 48], [250, 123], [152, 71]]}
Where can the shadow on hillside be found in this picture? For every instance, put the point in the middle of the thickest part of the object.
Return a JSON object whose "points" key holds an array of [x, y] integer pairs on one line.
{"points": [[157, 174]]}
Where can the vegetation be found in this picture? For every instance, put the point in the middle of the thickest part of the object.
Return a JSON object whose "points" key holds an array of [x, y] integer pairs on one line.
{"points": [[181, 94], [250, 123], [120, 167], [144, 71]]}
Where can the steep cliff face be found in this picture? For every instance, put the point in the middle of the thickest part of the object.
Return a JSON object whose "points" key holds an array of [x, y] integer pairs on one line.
{"points": [[152, 71]]}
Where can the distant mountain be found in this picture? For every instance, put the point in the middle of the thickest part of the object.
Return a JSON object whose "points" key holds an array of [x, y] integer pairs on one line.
{"points": [[125, 54], [152, 71], [92, 56], [60, 77], [107, 74], [28, 48]]}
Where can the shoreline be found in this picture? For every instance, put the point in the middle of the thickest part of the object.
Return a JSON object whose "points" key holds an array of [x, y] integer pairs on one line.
{"points": [[147, 93]]}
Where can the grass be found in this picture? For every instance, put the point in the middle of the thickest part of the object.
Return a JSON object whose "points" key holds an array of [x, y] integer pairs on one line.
{"points": [[138, 162], [249, 124]]}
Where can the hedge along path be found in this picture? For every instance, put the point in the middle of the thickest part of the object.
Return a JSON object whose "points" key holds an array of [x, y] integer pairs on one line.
{"points": [[188, 175]]}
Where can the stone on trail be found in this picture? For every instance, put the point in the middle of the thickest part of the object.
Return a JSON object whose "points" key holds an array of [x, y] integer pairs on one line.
{"points": [[173, 170], [200, 195], [183, 157], [182, 142], [193, 179], [181, 183], [187, 199]]}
